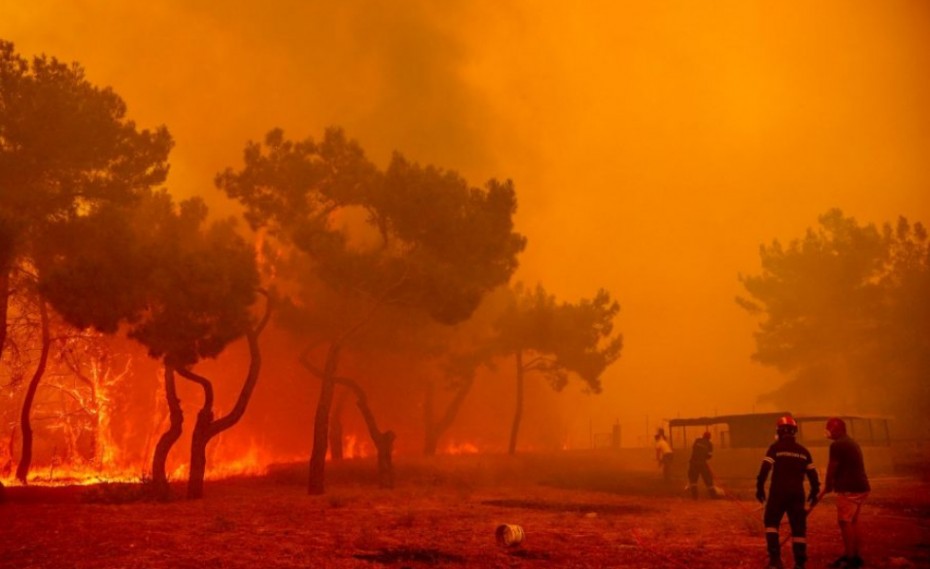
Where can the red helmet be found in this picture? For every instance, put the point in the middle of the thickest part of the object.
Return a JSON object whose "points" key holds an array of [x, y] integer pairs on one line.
{"points": [[786, 426], [836, 427], [706, 434]]}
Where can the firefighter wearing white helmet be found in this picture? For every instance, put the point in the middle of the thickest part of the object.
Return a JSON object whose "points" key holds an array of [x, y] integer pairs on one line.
{"points": [[789, 462]]}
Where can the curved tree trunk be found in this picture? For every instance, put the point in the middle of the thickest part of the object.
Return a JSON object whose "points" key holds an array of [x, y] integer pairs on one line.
{"points": [[316, 482], [207, 427], [435, 429], [167, 439], [384, 441], [199, 439], [518, 412], [22, 469]]}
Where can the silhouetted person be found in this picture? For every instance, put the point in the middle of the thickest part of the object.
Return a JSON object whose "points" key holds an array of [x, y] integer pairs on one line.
{"points": [[846, 475], [789, 463], [664, 455], [701, 451]]}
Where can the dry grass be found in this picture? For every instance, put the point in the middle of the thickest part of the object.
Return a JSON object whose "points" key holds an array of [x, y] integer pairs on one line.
{"points": [[576, 511]]}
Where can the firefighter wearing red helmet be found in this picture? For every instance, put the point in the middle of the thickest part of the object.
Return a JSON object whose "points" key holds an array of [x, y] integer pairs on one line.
{"points": [[701, 451], [846, 475], [789, 463]]}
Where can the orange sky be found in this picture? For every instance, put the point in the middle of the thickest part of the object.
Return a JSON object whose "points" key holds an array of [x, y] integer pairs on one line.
{"points": [[654, 146]]}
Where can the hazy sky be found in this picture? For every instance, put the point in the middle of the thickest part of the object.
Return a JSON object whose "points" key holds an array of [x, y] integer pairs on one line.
{"points": [[654, 146]]}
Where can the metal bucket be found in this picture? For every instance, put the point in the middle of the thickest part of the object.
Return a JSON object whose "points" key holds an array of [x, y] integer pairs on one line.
{"points": [[509, 535]]}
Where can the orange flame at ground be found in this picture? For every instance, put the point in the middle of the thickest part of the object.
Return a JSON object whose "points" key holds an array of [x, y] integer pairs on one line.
{"points": [[461, 448], [354, 448], [252, 461]]}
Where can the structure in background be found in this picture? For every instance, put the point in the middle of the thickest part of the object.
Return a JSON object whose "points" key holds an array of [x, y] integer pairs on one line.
{"points": [[741, 440]]}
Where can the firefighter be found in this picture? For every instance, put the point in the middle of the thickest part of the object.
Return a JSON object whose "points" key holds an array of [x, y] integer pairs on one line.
{"points": [[789, 463], [701, 451]]}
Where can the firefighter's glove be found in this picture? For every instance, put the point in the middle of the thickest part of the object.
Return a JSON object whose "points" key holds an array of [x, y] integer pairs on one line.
{"points": [[812, 498], [760, 494]]}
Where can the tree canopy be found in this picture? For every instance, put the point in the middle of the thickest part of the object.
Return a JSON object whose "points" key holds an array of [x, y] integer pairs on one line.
{"points": [[409, 235], [184, 288], [846, 309], [66, 149], [561, 338]]}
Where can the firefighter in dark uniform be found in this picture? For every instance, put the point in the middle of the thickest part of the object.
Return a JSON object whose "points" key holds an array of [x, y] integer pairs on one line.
{"points": [[789, 463], [701, 451]]}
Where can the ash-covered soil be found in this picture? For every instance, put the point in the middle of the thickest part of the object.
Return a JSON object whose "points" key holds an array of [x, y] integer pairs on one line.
{"points": [[584, 511]]}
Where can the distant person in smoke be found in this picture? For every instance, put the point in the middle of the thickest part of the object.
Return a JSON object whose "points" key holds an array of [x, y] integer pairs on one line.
{"points": [[846, 475], [789, 462], [701, 451], [664, 455]]}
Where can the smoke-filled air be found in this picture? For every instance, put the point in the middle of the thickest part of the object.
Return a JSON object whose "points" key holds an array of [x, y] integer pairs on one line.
{"points": [[240, 235], [464, 283]]}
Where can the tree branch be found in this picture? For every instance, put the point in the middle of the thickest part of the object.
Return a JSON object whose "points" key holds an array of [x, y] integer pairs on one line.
{"points": [[202, 382]]}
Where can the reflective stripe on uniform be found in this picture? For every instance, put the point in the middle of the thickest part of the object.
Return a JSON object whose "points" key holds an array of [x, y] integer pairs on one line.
{"points": [[798, 539], [771, 530], [769, 459], [811, 466]]}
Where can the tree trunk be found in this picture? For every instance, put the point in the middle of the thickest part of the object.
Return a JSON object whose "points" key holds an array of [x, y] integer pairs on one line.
{"points": [[22, 469], [431, 432], [207, 427], [335, 428], [435, 430], [316, 484], [385, 444], [518, 412], [4, 304], [384, 441], [168, 438], [199, 439]]}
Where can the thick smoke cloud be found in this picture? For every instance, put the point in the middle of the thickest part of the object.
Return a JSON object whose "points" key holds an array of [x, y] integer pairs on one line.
{"points": [[654, 148]]}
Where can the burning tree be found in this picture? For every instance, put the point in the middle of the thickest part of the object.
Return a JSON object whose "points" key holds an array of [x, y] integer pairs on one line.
{"points": [[183, 290], [77, 374], [408, 236], [66, 148]]}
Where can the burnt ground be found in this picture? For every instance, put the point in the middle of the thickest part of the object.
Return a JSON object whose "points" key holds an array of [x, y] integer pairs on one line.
{"points": [[576, 511]]}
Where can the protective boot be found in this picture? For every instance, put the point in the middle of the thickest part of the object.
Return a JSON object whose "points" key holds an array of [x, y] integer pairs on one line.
{"points": [[799, 549], [773, 547], [694, 491]]}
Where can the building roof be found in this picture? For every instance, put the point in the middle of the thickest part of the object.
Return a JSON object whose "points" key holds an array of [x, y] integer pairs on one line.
{"points": [[705, 421]]}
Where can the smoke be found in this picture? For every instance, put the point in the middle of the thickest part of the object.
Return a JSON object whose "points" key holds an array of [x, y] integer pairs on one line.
{"points": [[653, 147]]}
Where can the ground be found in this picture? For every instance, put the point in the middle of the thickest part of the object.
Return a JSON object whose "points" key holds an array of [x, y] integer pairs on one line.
{"points": [[576, 510]]}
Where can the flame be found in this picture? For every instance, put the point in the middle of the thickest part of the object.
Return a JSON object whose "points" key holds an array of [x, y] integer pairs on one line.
{"points": [[74, 475], [253, 462], [94, 440], [461, 448], [354, 448]]}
